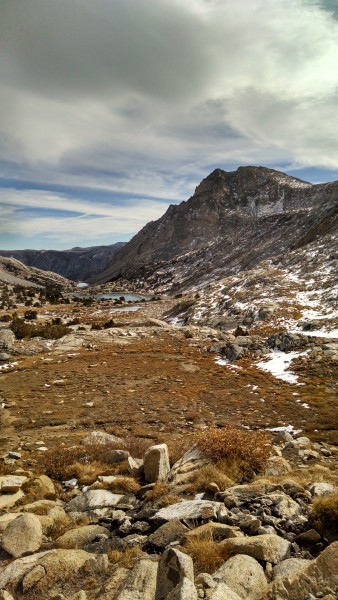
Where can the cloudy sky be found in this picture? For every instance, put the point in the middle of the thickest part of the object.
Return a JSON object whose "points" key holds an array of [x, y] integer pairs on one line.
{"points": [[110, 110]]}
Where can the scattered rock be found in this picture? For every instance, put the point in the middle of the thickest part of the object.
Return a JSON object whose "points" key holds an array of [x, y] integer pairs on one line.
{"points": [[81, 536], [156, 463], [173, 567], [268, 547], [244, 575], [22, 536]]}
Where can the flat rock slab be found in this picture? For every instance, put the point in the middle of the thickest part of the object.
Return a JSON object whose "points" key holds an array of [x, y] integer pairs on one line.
{"points": [[10, 484], [188, 509], [268, 547], [93, 499], [81, 536]]}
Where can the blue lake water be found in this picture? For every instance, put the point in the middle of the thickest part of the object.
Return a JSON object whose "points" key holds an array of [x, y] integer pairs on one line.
{"points": [[129, 297]]}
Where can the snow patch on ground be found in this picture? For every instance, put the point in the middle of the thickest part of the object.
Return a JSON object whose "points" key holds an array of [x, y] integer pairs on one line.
{"points": [[288, 428], [278, 363], [8, 366], [225, 361]]}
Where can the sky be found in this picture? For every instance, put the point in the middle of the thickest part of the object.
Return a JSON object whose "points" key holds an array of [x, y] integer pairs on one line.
{"points": [[110, 110]]}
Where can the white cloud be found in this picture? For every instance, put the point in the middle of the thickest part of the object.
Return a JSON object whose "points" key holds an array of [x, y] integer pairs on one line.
{"points": [[142, 96], [89, 219]]}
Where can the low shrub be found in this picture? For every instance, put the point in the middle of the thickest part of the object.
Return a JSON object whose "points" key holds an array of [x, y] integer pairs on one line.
{"points": [[83, 462], [5, 318], [211, 473], [207, 554], [48, 331], [324, 514], [248, 450]]}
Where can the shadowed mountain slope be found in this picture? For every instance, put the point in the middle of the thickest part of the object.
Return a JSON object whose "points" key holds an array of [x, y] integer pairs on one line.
{"points": [[76, 264]]}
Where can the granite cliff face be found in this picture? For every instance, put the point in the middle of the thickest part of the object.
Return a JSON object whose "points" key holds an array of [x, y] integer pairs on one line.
{"points": [[232, 222], [77, 264]]}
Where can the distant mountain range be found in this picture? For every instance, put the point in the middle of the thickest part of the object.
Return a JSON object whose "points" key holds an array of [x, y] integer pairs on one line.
{"points": [[233, 221], [77, 264]]}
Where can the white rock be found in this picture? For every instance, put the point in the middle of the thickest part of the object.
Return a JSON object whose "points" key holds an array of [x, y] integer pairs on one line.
{"points": [[268, 547], [244, 575], [93, 499], [140, 584], [156, 463], [188, 509], [173, 567], [22, 536]]}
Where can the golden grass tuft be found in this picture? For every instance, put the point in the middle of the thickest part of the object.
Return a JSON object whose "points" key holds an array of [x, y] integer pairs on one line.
{"points": [[211, 473], [207, 554], [246, 450], [168, 500], [160, 489], [121, 485], [324, 514], [126, 558], [83, 462]]}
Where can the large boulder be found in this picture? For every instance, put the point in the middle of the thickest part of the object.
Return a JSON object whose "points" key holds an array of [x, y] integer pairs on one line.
{"points": [[321, 574], [185, 590], [276, 466], [185, 467], [140, 584], [173, 567], [244, 575], [82, 536], [172, 531], [223, 592], [290, 567], [22, 536], [268, 547], [156, 463], [58, 566]]}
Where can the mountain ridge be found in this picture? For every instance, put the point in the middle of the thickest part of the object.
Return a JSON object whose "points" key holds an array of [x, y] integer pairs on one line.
{"points": [[76, 263], [232, 222]]}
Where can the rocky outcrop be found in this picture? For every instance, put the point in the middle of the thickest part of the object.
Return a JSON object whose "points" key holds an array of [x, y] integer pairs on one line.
{"points": [[77, 264], [261, 532], [232, 222], [14, 272]]}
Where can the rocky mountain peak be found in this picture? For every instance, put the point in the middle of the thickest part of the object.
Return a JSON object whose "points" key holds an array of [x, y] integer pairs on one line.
{"points": [[232, 222]]}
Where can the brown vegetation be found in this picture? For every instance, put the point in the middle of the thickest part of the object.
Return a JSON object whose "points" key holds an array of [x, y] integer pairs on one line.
{"points": [[207, 554], [244, 450]]}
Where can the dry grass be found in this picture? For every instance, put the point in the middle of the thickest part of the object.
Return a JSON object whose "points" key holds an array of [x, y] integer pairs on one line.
{"points": [[324, 514], [127, 558], [178, 447], [168, 500], [207, 554], [246, 450], [83, 462], [211, 473], [160, 489], [121, 485]]}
